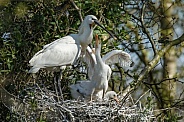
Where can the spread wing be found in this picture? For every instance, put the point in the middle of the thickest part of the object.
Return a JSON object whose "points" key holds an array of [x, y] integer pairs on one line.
{"points": [[90, 60], [117, 56], [82, 89], [109, 72]]}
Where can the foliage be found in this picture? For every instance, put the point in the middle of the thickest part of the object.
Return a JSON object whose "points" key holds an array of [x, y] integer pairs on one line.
{"points": [[136, 25]]}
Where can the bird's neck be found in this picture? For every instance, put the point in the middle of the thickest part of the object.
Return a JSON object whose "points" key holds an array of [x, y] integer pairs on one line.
{"points": [[85, 35], [98, 56]]}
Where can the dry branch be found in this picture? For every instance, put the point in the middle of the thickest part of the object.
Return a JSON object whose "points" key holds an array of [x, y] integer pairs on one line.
{"points": [[146, 31], [153, 63], [43, 104]]}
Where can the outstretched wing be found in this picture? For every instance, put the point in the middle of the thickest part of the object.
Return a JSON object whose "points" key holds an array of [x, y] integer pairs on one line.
{"points": [[117, 56], [109, 72], [90, 60], [82, 89]]}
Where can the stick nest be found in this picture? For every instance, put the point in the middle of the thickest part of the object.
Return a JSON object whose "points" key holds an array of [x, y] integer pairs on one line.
{"points": [[42, 104]]}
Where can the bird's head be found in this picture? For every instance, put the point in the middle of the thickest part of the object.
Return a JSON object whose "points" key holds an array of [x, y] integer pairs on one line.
{"points": [[112, 95], [91, 20]]}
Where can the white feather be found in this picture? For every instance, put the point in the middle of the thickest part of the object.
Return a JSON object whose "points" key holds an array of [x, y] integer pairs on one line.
{"points": [[117, 56], [55, 54], [64, 51], [112, 57], [99, 72], [82, 91], [90, 60]]}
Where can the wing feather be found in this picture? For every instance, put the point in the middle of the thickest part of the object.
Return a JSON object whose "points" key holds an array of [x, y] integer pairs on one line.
{"points": [[56, 54], [63, 40], [90, 60], [109, 72], [117, 56], [82, 89]]}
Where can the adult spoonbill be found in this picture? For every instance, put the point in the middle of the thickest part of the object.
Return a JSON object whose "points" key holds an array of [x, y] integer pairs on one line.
{"points": [[65, 51], [100, 72]]}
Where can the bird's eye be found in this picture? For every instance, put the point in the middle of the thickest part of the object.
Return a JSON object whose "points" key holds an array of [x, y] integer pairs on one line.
{"points": [[93, 19]]}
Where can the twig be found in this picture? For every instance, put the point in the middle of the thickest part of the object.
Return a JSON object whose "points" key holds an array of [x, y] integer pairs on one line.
{"points": [[72, 110], [142, 96], [161, 81], [67, 110], [79, 11], [152, 64], [146, 31]]}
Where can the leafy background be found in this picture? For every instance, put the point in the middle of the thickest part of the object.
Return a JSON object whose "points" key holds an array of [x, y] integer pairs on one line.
{"points": [[34, 23]]}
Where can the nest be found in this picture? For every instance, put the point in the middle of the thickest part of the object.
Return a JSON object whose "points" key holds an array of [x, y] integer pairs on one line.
{"points": [[42, 104]]}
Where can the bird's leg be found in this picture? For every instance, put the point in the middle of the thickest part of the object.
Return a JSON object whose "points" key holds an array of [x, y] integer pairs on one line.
{"points": [[55, 85], [34, 78], [59, 83], [83, 54], [91, 97], [103, 94]]}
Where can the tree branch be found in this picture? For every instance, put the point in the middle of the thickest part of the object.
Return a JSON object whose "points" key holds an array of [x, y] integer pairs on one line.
{"points": [[167, 79], [146, 31], [151, 65], [79, 11]]}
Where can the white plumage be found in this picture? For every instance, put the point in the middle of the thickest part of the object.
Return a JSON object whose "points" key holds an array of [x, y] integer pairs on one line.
{"points": [[110, 95], [85, 88], [64, 51], [58, 53], [117, 56], [81, 90], [99, 72]]}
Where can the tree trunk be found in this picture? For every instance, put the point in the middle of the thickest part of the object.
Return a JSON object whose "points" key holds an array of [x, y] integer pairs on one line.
{"points": [[168, 88]]}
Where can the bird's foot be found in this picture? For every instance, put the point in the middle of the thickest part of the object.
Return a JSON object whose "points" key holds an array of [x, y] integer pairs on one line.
{"points": [[91, 101]]}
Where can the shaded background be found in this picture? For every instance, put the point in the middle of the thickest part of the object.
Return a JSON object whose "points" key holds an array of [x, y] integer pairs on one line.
{"points": [[142, 28]]}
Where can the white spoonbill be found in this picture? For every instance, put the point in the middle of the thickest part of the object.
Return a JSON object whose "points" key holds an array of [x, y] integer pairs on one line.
{"points": [[75, 92], [109, 95], [65, 51], [100, 72]]}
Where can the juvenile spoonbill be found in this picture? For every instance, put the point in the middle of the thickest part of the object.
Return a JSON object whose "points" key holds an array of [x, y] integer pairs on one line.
{"points": [[65, 51], [100, 72]]}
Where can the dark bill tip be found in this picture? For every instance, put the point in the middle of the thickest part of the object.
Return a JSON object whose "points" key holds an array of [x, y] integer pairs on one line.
{"points": [[98, 23]]}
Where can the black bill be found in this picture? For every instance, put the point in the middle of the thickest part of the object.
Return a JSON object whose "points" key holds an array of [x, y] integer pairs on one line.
{"points": [[98, 23]]}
